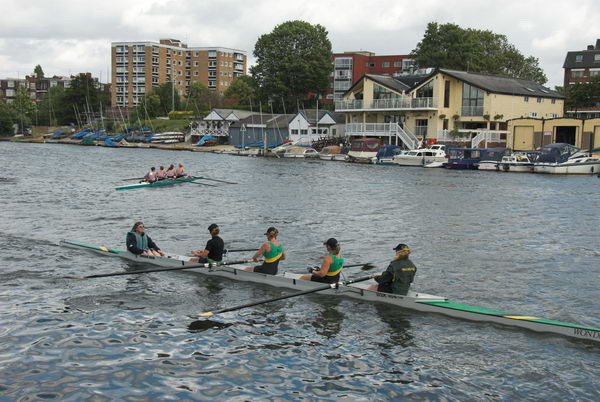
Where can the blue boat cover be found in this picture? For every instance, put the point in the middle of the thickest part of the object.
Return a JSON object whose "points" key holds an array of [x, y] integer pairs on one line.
{"points": [[109, 143], [388, 151], [204, 139], [57, 133]]}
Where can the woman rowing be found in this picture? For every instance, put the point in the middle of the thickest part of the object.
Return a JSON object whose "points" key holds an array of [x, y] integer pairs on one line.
{"points": [[331, 267], [161, 175], [272, 251], [150, 177], [138, 242], [399, 274], [171, 172], [180, 171]]}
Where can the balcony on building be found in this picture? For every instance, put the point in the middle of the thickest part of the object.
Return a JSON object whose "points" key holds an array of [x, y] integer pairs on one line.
{"points": [[472, 110], [403, 103]]}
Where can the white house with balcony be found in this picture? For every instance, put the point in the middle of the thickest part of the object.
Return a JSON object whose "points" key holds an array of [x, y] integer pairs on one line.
{"points": [[445, 106], [311, 125]]}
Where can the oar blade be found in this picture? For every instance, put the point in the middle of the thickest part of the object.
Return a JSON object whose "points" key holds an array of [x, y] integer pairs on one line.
{"points": [[367, 267], [207, 314]]}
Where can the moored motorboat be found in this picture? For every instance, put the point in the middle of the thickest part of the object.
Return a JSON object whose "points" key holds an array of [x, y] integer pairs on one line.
{"points": [[463, 158], [518, 161], [422, 156], [564, 158], [160, 183], [386, 154], [363, 150], [301, 152], [491, 158], [332, 153], [413, 300]]}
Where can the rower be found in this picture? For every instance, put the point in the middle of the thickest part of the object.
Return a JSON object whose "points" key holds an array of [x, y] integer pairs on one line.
{"points": [[171, 172], [399, 274], [213, 251], [272, 251], [180, 171], [150, 177], [332, 266], [161, 175], [138, 242]]}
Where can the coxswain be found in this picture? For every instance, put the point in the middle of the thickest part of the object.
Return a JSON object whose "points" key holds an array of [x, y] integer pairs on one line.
{"points": [[138, 242], [171, 172], [180, 171], [399, 274], [213, 251], [272, 251], [161, 175], [150, 177], [331, 267]]}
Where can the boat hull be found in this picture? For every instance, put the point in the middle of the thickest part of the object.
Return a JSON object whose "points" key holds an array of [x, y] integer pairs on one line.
{"points": [[591, 167], [405, 160], [158, 183], [413, 301]]}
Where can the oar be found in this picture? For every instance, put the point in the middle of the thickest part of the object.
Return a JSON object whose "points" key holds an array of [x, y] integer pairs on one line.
{"points": [[201, 184], [133, 178], [240, 250], [321, 288], [222, 181], [206, 265]]}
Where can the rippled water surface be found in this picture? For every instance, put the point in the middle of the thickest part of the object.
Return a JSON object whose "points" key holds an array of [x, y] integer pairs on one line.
{"points": [[523, 243]]}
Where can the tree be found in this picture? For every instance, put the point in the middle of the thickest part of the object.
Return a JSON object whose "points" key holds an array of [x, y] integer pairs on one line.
{"points": [[38, 72], [450, 46], [7, 118], [584, 95], [293, 62], [83, 100], [169, 98], [201, 99], [53, 109], [24, 108], [241, 91]]}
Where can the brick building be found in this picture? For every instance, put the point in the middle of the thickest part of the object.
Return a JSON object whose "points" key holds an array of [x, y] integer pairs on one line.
{"points": [[580, 67], [137, 67]]}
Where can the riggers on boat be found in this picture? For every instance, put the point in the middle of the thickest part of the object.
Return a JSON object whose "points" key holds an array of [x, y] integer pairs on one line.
{"points": [[413, 301], [159, 183]]}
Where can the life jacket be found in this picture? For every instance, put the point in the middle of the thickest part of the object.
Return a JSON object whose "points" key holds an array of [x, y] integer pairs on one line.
{"points": [[274, 254], [141, 241], [337, 264]]}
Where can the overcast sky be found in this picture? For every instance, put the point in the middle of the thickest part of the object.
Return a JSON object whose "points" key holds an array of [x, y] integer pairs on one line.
{"points": [[68, 36]]}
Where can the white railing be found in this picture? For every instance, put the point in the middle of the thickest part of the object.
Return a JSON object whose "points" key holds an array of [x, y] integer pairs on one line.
{"points": [[404, 103], [446, 136], [487, 136], [383, 129]]}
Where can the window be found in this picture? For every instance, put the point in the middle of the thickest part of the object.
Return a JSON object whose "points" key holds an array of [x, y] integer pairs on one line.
{"points": [[371, 65], [196, 73], [294, 131], [553, 115], [385, 64], [579, 58], [539, 100], [196, 64], [597, 58], [397, 64], [446, 93], [304, 132], [553, 101], [577, 74], [533, 114], [526, 98], [343, 62], [426, 91], [594, 73], [472, 101]]}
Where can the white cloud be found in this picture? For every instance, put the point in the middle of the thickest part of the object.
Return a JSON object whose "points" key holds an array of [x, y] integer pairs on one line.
{"points": [[69, 36]]}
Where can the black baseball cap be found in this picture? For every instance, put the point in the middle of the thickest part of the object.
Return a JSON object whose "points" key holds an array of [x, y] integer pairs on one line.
{"points": [[333, 243], [270, 229], [212, 226], [400, 246]]}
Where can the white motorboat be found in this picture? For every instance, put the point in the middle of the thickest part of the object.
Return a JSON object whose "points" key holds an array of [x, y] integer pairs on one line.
{"points": [[301, 152], [422, 157], [563, 158], [413, 300], [332, 153], [363, 150], [491, 158], [518, 161]]}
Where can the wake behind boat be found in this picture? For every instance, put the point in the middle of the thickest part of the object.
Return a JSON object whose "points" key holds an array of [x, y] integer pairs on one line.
{"points": [[413, 300], [159, 183]]}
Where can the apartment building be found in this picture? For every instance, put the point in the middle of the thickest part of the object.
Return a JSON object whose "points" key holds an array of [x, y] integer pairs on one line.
{"points": [[580, 67], [137, 67], [349, 67], [9, 87]]}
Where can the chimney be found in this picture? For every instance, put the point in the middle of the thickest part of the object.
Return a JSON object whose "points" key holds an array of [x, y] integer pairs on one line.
{"points": [[591, 47], [597, 44]]}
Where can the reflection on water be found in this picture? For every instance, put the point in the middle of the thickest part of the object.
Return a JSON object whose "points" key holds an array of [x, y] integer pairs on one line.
{"points": [[135, 337]]}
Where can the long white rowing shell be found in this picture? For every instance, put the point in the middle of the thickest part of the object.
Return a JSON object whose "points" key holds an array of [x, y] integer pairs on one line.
{"points": [[414, 300]]}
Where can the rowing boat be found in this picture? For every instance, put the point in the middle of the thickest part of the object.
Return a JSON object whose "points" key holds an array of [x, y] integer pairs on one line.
{"points": [[160, 183], [413, 301]]}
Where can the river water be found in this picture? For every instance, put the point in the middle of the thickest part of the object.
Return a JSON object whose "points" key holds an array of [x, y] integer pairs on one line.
{"points": [[523, 243]]}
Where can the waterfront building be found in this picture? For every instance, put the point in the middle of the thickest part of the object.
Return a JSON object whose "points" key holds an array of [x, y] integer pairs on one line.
{"points": [[9, 87], [581, 66], [445, 106], [217, 123], [137, 67], [312, 125], [349, 67], [258, 127], [532, 133]]}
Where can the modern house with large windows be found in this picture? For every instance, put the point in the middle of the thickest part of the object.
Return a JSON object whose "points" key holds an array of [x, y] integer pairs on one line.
{"points": [[445, 106]]}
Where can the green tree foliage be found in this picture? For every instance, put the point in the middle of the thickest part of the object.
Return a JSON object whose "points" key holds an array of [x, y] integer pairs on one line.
{"points": [[200, 99], [168, 98], [292, 62], [241, 91], [83, 99], [584, 95], [450, 46], [8, 118], [38, 72], [53, 109], [24, 108]]}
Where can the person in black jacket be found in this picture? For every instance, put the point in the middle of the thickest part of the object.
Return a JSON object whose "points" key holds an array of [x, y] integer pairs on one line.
{"points": [[138, 242], [399, 274], [213, 251]]}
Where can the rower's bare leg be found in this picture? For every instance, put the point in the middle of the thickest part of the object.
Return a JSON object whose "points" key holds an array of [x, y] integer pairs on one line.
{"points": [[306, 277], [249, 269], [373, 287]]}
